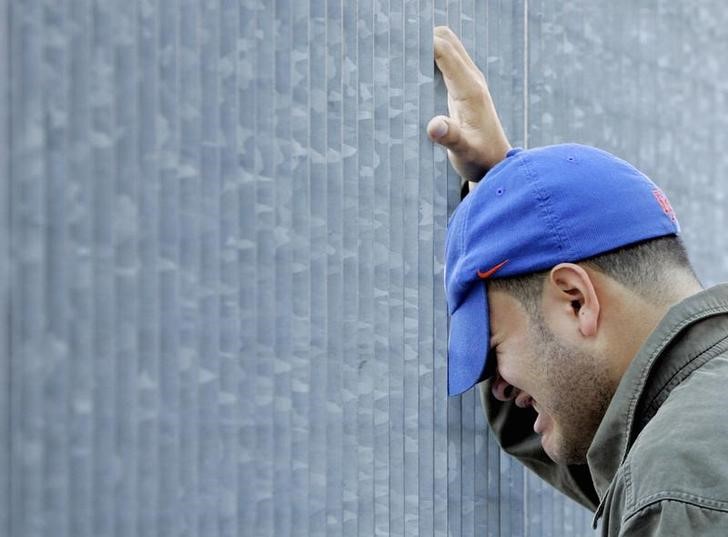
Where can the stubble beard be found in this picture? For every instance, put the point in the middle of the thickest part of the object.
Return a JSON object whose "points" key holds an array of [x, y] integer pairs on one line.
{"points": [[581, 390]]}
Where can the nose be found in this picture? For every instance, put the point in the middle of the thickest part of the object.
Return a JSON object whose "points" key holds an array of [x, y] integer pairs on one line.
{"points": [[502, 390]]}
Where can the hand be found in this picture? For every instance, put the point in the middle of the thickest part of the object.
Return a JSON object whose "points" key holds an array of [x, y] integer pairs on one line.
{"points": [[473, 134]]}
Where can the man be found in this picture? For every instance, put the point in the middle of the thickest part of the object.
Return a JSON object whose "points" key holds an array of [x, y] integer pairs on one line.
{"points": [[601, 361]]}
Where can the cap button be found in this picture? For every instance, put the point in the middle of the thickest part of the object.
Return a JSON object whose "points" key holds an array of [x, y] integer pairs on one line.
{"points": [[513, 151]]}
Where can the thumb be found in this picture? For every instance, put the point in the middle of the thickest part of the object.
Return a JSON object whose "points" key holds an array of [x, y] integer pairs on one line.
{"points": [[444, 131]]}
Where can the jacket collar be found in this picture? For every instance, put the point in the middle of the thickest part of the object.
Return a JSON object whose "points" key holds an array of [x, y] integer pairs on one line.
{"points": [[647, 380]]}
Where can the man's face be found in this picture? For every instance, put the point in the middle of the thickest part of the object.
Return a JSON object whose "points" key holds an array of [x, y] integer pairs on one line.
{"points": [[568, 387]]}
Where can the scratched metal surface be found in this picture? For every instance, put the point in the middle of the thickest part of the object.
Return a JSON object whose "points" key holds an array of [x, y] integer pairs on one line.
{"points": [[225, 226], [648, 83], [4, 269]]}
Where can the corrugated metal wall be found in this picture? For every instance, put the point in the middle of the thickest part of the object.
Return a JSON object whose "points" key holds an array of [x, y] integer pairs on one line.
{"points": [[223, 229]]}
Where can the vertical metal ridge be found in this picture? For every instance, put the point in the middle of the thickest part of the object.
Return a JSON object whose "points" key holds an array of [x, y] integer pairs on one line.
{"points": [[396, 277], [333, 263], [30, 198], [245, 163], [190, 244], [281, 344], [54, 382], [350, 306], [425, 274], [411, 137], [230, 284], [282, 259], [102, 168], [365, 300], [80, 269], [6, 279], [264, 290], [282, 41], [382, 290], [317, 199], [170, 348], [148, 312], [208, 375], [127, 267], [301, 267]]}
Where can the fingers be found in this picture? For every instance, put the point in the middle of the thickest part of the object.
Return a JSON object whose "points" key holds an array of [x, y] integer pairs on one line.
{"points": [[444, 131], [472, 133], [447, 35], [462, 78]]}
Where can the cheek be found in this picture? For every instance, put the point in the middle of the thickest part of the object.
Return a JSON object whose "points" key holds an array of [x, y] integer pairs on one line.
{"points": [[517, 363]]}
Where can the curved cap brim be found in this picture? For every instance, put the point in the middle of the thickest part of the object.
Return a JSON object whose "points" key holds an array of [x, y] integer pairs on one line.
{"points": [[468, 341]]}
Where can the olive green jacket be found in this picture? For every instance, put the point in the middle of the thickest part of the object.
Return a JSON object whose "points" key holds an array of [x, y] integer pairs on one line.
{"points": [[658, 464]]}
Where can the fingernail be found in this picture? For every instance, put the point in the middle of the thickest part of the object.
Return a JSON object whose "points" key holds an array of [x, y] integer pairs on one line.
{"points": [[440, 129]]}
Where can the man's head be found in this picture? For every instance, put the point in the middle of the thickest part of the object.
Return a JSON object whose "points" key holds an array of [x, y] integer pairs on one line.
{"points": [[562, 338], [555, 233]]}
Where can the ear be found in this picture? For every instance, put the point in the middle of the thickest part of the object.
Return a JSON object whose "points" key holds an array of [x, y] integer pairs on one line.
{"points": [[571, 295]]}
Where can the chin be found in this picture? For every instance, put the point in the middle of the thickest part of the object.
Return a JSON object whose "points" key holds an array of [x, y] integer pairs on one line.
{"points": [[553, 454], [559, 452]]}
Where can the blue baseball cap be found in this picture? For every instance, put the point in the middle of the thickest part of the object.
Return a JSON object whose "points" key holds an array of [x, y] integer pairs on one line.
{"points": [[535, 209]]}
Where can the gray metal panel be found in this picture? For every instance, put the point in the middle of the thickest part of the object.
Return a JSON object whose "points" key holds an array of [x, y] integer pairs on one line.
{"points": [[645, 82], [5, 256], [226, 227]]}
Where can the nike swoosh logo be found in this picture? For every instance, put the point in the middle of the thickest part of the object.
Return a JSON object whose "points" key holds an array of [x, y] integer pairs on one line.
{"points": [[488, 273]]}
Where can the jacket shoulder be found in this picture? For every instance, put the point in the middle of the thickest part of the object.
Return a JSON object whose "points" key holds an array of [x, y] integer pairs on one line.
{"points": [[680, 454]]}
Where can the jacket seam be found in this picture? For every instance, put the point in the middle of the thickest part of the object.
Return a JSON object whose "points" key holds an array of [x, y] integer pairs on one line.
{"points": [[688, 363], [659, 348], [681, 497], [628, 483]]}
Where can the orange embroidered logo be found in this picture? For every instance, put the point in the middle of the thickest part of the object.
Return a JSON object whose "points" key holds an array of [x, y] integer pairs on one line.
{"points": [[664, 203], [483, 275]]}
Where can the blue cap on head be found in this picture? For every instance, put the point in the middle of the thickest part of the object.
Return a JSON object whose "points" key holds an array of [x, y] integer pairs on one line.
{"points": [[536, 209]]}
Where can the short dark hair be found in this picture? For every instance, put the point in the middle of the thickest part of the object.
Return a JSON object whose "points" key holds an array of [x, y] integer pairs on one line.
{"points": [[645, 268]]}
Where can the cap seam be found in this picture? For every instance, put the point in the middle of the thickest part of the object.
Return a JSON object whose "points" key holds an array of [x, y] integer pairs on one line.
{"points": [[544, 203], [466, 225]]}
